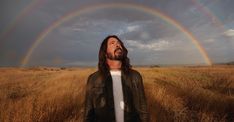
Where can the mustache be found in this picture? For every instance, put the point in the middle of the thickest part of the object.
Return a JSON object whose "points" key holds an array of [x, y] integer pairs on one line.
{"points": [[118, 49]]}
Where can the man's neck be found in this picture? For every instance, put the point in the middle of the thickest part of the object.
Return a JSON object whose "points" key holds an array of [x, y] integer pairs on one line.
{"points": [[114, 64]]}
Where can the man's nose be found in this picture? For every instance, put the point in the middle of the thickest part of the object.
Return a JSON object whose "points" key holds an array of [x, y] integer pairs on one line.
{"points": [[117, 45]]}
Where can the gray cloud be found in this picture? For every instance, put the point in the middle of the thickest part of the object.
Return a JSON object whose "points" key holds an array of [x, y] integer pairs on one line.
{"points": [[150, 39]]}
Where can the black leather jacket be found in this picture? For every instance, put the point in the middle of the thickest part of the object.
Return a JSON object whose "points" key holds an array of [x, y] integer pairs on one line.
{"points": [[99, 101]]}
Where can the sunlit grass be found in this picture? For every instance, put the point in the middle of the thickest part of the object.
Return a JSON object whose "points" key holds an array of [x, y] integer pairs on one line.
{"points": [[173, 93]]}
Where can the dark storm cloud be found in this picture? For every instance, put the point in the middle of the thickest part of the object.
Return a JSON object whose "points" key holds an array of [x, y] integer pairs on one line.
{"points": [[149, 38], [9, 10]]}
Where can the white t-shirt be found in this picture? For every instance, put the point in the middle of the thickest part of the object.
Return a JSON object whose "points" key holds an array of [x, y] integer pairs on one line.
{"points": [[118, 95]]}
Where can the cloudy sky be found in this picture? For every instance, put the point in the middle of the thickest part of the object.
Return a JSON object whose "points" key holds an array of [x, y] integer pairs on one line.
{"points": [[69, 32]]}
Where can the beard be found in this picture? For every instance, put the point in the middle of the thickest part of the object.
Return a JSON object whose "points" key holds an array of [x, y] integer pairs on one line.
{"points": [[118, 55]]}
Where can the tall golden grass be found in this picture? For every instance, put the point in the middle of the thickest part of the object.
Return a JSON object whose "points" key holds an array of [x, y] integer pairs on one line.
{"points": [[173, 93]]}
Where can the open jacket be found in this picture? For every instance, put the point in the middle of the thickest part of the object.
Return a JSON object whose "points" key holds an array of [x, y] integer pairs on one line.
{"points": [[99, 100]]}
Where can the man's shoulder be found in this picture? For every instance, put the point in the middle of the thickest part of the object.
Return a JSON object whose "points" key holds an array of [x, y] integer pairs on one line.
{"points": [[94, 75], [95, 79], [135, 72]]}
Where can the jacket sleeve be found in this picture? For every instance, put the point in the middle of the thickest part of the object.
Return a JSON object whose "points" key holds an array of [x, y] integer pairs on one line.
{"points": [[141, 103], [88, 105]]}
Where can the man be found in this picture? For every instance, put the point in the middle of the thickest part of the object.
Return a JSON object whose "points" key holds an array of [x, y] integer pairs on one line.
{"points": [[115, 93]]}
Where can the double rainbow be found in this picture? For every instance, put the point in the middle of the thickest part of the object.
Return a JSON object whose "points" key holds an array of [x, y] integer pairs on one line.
{"points": [[145, 9]]}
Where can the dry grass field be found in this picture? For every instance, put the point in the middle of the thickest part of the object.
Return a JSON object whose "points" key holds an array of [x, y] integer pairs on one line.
{"points": [[46, 94]]}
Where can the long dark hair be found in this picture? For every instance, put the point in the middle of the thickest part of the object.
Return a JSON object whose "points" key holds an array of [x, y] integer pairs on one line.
{"points": [[103, 66]]}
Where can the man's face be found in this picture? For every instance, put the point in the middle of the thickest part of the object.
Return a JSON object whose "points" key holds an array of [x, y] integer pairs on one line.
{"points": [[114, 49]]}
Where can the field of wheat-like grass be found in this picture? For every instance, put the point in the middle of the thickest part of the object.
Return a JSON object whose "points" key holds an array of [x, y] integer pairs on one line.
{"points": [[46, 94]]}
